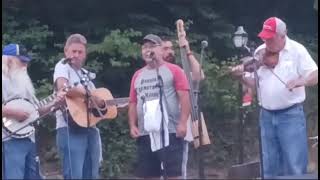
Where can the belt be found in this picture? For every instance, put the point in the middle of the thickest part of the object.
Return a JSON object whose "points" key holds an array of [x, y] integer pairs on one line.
{"points": [[285, 109]]}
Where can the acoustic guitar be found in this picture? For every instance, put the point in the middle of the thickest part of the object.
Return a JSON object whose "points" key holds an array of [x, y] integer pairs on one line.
{"points": [[78, 108]]}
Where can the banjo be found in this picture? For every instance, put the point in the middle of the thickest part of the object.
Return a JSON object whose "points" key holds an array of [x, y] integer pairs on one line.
{"points": [[24, 130]]}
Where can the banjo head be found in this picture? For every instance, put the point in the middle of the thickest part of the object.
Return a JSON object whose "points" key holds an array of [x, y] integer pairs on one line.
{"points": [[11, 125]]}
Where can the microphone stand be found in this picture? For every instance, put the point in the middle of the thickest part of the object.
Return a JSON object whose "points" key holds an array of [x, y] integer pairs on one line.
{"points": [[3, 157], [84, 81], [256, 78], [160, 85], [196, 93], [195, 113], [260, 142], [37, 140]]}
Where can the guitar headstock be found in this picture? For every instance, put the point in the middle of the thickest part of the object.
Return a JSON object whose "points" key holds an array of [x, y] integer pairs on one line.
{"points": [[180, 29]]}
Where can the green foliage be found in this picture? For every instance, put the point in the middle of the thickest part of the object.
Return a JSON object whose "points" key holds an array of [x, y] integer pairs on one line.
{"points": [[114, 30], [118, 46], [118, 148]]}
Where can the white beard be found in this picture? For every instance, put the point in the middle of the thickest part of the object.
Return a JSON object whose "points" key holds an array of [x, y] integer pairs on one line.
{"points": [[21, 80]]}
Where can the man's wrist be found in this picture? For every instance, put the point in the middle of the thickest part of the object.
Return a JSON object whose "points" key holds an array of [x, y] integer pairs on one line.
{"points": [[190, 53], [131, 125]]}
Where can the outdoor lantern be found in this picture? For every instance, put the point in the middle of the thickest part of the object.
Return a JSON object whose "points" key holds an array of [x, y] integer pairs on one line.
{"points": [[240, 38]]}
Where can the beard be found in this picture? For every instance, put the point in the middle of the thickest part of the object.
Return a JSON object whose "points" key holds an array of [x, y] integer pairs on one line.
{"points": [[20, 79], [170, 58]]}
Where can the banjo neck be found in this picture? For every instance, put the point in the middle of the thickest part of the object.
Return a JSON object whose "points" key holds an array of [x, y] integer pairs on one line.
{"points": [[51, 97], [45, 101]]}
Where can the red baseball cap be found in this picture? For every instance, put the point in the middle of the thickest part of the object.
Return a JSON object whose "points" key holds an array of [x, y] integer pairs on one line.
{"points": [[271, 27]]}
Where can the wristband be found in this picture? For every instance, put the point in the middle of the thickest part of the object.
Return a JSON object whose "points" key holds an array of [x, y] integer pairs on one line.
{"points": [[189, 53]]}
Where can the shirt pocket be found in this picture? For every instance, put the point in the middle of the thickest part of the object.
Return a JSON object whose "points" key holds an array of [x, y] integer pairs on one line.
{"points": [[288, 70]]}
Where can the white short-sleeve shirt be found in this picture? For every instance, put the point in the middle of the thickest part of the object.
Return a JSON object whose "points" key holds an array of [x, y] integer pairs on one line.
{"points": [[66, 71], [294, 62]]}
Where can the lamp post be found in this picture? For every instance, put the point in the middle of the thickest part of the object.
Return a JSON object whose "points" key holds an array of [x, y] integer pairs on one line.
{"points": [[240, 39]]}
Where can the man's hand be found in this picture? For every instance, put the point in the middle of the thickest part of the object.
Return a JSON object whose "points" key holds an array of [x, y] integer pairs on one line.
{"points": [[181, 130], [98, 101], [60, 98], [134, 132], [237, 71], [183, 42], [294, 83], [19, 115], [13, 113]]}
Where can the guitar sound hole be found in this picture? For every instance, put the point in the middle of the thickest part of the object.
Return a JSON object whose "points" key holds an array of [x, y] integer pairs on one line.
{"points": [[96, 113]]}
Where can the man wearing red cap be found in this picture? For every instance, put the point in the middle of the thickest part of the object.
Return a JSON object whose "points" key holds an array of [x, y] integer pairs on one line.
{"points": [[281, 94]]}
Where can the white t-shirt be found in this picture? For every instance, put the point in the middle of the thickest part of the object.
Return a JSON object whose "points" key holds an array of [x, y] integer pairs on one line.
{"points": [[66, 71], [294, 62]]}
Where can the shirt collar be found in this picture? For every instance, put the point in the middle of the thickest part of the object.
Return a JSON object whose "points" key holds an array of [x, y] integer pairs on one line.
{"points": [[287, 45]]}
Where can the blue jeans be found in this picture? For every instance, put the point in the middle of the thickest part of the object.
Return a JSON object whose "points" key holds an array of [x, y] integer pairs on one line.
{"points": [[21, 160], [284, 141], [79, 152]]}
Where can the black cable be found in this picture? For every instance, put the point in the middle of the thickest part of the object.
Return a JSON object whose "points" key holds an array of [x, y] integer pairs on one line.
{"points": [[3, 157], [160, 85]]}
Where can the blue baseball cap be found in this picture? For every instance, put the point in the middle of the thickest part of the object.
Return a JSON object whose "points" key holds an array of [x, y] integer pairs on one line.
{"points": [[16, 50]]}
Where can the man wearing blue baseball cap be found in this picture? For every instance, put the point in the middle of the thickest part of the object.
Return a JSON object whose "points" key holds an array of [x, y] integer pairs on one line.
{"points": [[16, 50], [21, 160]]}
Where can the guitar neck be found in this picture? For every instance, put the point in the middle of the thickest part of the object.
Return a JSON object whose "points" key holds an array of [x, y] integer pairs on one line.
{"points": [[117, 101]]}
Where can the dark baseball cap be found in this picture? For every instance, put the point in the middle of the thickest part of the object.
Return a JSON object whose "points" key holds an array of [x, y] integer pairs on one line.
{"points": [[152, 38], [16, 50]]}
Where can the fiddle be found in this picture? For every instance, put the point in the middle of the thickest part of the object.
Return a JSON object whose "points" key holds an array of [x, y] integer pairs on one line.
{"points": [[270, 59], [267, 58]]}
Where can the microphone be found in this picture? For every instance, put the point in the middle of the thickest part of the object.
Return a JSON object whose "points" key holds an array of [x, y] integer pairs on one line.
{"points": [[87, 76], [204, 44], [151, 56], [91, 75], [66, 60], [143, 98]]}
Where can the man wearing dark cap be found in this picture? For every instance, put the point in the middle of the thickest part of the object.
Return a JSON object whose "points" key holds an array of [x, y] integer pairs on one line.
{"points": [[282, 92], [21, 160], [145, 115]]}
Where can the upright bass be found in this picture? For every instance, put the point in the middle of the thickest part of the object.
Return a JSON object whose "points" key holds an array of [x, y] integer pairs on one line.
{"points": [[198, 132]]}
